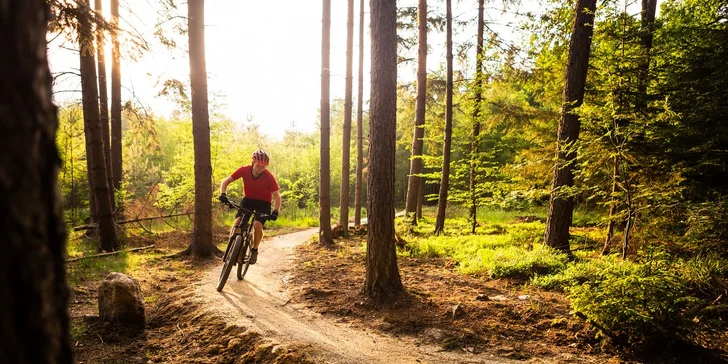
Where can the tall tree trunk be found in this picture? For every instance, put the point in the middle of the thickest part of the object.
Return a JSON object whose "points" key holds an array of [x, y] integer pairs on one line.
{"points": [[476, 116], [325, 185], [93, 133], [647, 30], [201, 245], [445, 179], [116, 158], [413, 186], [345, 174], [104, 101], [33, 308], [561, 208], [382, 275], [359, 122]]}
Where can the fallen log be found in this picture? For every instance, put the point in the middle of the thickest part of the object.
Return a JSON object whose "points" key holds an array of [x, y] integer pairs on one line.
{"points": [[109, 253], [91, 226]]}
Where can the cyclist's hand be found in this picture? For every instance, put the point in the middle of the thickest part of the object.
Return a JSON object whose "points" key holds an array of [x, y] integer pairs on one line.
{"points": [[274, 215], [224, 199]]}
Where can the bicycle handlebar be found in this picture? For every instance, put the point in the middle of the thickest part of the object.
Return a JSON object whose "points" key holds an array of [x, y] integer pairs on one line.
{"points": [[243, 209]]}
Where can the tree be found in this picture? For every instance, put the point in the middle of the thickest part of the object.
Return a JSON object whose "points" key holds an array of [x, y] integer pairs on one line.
{"points": [[346, 147], [33, 316], [325, 185], [646, 32], [476, 116], [413, 188], [104, 100], [561, 203], [445, 178], [359, 122], [382, 275], [94, 139], [116, 158], [201, 245]]}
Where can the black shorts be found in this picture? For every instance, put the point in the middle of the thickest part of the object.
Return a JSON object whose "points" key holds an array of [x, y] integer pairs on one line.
{"points": [[257, 206]]}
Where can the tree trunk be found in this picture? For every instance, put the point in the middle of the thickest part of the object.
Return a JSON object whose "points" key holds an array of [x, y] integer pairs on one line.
{"points": [[325, 185], [344, 205], [382, 275], [202, 240], [413, 186], [476, 116], [647, 29], [359, 122], [561, 208], [104, 102], [33, 311], [445, 179], [93, 133], [116, 158]]}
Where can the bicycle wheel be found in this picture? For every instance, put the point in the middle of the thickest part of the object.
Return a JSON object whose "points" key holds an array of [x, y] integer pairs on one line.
{"points": [[243, 268], [229, 261]]}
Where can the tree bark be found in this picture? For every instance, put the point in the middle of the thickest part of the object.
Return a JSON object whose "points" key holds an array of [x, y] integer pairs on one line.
{"points": [[382, 275], [201, 245], [344, 203], [325, 177], [359, 122], [445, 179], [561, 208], [93, 133], [413, 186], [33, 308], [104, 102], [116, 157], [476, 117], [647, 29]]}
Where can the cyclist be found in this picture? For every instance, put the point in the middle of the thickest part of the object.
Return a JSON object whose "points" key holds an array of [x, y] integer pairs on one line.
{"points": [[260, 188]]}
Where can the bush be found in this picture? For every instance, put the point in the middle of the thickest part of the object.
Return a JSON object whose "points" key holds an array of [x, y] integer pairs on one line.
{"points": [[644, 302]]}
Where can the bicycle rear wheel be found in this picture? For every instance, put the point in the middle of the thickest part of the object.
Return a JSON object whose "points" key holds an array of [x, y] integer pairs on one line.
{"points": [[229, 261], [243, 268]]}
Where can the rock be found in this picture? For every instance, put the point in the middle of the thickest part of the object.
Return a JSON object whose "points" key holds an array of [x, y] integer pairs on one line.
{"points": [[524, 297], [433, 334], [482, 297], [457, 311], [121, 301], [384, 326], [499, 297]]}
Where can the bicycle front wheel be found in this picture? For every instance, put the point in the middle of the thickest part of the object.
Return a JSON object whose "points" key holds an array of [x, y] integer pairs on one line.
{"points": [[243, 268], [229, 261]]}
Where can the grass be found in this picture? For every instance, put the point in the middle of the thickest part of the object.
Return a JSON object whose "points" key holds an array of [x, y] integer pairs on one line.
{"points": [[502, 246]]}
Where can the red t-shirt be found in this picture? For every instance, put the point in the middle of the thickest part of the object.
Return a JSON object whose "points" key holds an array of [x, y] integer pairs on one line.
{"points": [[260, 188]]}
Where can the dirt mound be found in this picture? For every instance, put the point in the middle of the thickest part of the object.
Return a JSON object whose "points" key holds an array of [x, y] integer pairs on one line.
{"points": [[182, 330]]}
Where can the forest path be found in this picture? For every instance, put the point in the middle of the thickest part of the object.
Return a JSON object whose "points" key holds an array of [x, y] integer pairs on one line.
{"points": [[262, 301]]}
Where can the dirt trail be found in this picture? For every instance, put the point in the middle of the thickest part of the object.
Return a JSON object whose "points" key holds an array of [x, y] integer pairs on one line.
{"points": [[262, 301]]}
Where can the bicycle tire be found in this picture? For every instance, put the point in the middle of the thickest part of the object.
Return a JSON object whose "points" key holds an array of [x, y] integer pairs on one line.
{"points": [[230, 260], [243, 268]]}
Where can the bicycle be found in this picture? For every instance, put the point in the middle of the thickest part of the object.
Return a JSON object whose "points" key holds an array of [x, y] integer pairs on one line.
{"points": [[239, 245]]}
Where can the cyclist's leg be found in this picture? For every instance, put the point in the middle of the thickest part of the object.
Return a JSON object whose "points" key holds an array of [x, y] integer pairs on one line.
{"points": [[257, 234]]}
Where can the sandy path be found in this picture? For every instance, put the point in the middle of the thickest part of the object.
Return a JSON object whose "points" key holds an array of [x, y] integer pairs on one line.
{"points": [[261, 301]]}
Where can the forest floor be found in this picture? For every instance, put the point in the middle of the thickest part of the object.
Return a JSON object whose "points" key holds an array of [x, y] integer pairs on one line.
{"points": [[303, 303]]}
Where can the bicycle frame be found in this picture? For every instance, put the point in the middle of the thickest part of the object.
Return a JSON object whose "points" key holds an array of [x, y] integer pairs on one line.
{"points": [[244, 225]]}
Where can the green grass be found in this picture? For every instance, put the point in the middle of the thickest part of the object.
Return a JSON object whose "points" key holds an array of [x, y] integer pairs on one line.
{"points": [[501, 247], [97, 268]]}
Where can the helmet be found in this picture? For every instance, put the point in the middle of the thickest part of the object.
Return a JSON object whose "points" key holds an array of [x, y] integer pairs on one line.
{"points": [[261, 157]]}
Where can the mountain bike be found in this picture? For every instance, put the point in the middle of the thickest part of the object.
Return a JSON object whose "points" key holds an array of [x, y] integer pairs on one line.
{"points": [[239, 245]]}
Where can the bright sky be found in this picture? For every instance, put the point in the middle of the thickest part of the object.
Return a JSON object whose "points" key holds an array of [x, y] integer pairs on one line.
{"points": [[263, 57]]}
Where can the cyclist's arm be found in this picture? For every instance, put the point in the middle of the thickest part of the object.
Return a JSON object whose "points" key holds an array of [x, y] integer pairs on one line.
{"points": [[277, 200], [225, 183]]}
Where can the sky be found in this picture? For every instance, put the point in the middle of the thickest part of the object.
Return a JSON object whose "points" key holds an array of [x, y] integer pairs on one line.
{"points": [[263, 57]]}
